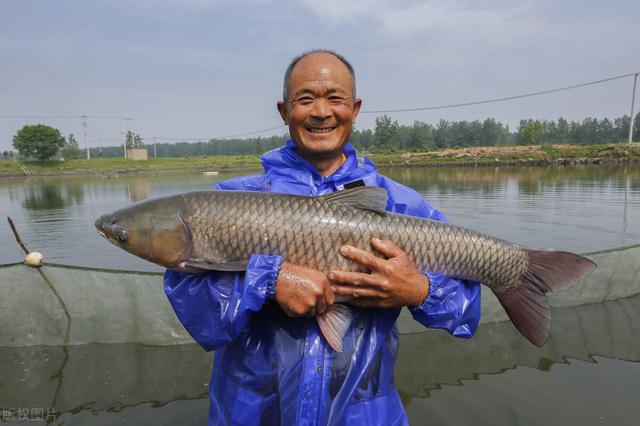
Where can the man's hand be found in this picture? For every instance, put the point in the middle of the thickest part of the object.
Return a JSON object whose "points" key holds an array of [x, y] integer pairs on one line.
{"points": [[303, 291], [393, 282]]}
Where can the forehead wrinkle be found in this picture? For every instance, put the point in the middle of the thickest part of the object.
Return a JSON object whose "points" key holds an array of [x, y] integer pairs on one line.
{"points": [[320, 88]]}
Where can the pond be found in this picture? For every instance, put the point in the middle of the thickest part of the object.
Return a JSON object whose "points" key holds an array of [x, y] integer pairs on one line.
{"points": [[588, 373], [582, 208]]}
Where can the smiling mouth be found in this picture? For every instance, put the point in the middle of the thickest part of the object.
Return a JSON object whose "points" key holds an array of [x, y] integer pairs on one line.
{"points": [[320, 129]]}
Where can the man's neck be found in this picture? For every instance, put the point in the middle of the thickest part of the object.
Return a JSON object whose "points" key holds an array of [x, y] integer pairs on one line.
{"points": [[327, 166]]}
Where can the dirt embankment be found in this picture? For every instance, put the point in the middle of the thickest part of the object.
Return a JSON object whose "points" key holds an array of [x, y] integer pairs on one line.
{"points": [[516, 155]]}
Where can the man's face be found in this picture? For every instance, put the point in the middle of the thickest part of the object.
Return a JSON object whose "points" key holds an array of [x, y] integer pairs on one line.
{"points": [[320, 109]]}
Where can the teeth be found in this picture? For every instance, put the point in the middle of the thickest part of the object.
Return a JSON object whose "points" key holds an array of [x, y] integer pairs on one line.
{"points": [[321, 130]]}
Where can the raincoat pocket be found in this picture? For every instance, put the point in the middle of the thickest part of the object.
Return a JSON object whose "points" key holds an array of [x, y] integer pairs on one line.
{"points": [[241, 405]]}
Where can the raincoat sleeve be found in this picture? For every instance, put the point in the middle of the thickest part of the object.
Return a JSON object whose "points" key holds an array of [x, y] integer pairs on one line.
{"points": [[452, 304], [215, 307]]}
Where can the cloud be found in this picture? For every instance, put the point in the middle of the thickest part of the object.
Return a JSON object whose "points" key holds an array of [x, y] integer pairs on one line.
{"points": [[452, 32], [193, 4], [412, 18]]}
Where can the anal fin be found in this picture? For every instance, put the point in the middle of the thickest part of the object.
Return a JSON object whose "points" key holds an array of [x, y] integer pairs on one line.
{"points": [[334, 324]]}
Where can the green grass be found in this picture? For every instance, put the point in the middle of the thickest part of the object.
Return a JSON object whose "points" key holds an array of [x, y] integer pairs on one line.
{"points": [[471, 156], [105, 166]]}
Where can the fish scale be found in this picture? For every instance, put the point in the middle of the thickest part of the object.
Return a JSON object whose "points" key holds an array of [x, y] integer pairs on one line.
{"points": [[231, 226], [220, 230]]}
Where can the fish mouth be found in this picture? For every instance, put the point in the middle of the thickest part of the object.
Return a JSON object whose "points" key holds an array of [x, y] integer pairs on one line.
{"points": [[101, 231], [109, 229]]}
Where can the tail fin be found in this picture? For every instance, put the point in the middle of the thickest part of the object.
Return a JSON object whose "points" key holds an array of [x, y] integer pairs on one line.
{"points": [[527, 304], [334, 324]]}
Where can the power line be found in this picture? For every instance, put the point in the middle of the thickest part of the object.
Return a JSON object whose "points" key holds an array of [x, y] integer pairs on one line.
{"points": [[378, 111], [237, 135], [508, 98], [252, 133]]}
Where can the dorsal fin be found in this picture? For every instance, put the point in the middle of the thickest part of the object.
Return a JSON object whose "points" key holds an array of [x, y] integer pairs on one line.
{"points": [[372, 198]]}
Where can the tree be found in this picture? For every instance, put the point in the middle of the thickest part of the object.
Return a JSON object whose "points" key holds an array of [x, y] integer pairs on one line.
{"points": [[529, 131], [70, 150], [562, 131], [133, 140], [384, 131], [38, 141]]}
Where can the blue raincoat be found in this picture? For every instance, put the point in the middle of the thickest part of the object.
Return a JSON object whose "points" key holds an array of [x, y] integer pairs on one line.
{"points": [[271, 369]]}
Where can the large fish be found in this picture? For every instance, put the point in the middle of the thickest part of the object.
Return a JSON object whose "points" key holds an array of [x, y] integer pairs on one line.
{"points": [[220, 230]]}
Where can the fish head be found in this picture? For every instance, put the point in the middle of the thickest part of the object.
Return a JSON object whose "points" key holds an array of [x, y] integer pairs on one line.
{"points": [[153, 230]]}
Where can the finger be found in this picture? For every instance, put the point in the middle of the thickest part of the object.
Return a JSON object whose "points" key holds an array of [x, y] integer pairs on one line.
{"points": [[360, 256], [369, 302], [355, 292], [321, 305], [329, 297], [353, 278], [387, 248]]}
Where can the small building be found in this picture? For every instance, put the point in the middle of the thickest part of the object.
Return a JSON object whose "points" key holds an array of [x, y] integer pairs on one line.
{"points": [[137, 154]]}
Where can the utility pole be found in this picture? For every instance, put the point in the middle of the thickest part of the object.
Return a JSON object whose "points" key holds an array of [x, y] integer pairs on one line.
{"points": [[154, 148], [124, 134], [633, 98], [84, 129]]}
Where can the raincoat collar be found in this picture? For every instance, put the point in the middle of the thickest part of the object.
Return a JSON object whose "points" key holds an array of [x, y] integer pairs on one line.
{"points": [[285, 163]]}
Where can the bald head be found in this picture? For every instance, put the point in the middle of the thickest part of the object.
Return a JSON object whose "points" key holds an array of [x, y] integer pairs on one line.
{"points": [[322, 55], [319, 107]]}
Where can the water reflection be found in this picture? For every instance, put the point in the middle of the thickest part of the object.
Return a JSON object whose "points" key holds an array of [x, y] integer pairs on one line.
{"points": [[151, 383], [610, 329], [527, 181], [580, 208], [52, 196], [529, 177], [138, 189], [55, 215]]}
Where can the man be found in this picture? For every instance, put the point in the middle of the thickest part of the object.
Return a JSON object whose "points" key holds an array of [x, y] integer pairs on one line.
{"points": [[272, 366]]}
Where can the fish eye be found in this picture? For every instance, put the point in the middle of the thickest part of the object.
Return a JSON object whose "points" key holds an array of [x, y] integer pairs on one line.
{"points": [[122, 236]]}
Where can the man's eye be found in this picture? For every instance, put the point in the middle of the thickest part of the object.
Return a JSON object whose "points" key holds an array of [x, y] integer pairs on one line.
{"points": [[336, 99], [305, 100]]}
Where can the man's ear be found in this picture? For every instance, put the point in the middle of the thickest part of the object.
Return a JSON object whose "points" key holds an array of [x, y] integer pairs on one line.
{"points": [[282, 109], [357, 104]]}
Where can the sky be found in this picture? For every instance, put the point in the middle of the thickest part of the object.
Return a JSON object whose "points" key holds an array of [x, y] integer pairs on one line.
{"points": [[189, 69]]}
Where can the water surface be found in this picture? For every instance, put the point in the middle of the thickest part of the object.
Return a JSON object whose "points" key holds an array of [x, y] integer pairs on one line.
{"points": [[587, 374], [582, 208]]}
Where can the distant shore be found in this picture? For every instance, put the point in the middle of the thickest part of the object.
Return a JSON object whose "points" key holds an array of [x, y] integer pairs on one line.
{"points": [[533, 155]]}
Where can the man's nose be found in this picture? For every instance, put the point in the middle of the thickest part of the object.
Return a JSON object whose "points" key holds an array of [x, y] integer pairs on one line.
{"points": [[320, 109]]}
